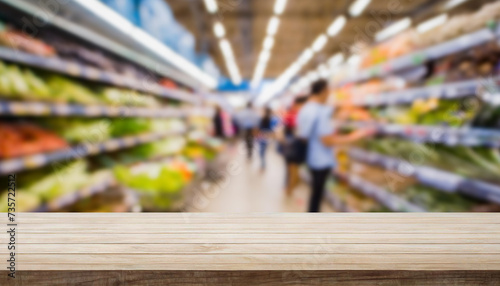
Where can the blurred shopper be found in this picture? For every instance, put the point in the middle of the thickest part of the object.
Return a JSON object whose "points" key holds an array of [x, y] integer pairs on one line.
{"points": [[288, 145], [314, 125], [218, 122], [248, 119], [267, 125]]}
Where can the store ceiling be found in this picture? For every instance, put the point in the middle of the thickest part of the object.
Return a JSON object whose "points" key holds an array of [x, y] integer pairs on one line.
{"points": [[301, 23]]}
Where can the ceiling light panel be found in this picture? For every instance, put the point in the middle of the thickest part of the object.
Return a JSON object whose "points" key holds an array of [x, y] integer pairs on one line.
{"points": [[219, 30], [211, 6], [273, 25], [268, 43], [279, 6], [320, 43], [393, 29], [358, 7], [337, 26], [432, 23]]}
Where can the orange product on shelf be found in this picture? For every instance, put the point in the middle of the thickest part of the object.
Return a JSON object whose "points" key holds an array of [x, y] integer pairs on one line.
{"points": [[25, 139], [168, 84], [17, 40]]}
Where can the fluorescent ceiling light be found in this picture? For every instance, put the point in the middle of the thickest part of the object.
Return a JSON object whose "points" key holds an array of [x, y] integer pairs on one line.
{"points": [[313, 76], [227, 51], [354, 60], [226, 48], [336, 60], [393, 29], [432, 23], [147, 41], [219, 30], [358, 7], [268, 43], [453, 3], [258, 74], [305, 57], [211, 6], [320, 43], [273, 25], [336, 26], [324, 71], [264, 56], [279, 6]]}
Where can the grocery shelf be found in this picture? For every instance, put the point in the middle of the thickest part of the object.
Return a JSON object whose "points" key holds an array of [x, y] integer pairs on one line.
{"points": [[451, 136], [408, 96], [80, 151], [95, 30], [72, 198], [337, 204], [415, 59], [382, 196], [89, 73], [15, 108], [441, 180]]}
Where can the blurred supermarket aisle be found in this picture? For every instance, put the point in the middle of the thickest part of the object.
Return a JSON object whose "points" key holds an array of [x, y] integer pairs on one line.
{"points": [[253, 190]]}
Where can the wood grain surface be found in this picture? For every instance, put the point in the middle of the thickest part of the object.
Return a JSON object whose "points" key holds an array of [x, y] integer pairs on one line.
{"points": [[258, 278], [255, 242]]}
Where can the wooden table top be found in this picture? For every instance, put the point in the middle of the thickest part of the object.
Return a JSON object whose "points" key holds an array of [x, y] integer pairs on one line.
{"points": [[258, 242]]}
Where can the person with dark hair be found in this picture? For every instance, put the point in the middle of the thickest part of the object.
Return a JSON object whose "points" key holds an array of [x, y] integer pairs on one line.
{"points": [[248, 119], [266, 127], [292, 162], [314, 125], [218, 122]]}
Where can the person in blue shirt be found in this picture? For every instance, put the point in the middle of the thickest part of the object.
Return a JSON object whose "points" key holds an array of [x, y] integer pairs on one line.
{"points": [[314, 124], [248, 119]]}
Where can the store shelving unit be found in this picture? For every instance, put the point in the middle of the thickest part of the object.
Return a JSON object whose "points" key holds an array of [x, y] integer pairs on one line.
{"points": [[484, 88], [446, 91], [337, 203], [92, 74], [450, 136], [80, 151], [23, 108], [439, 179], [384, 197], [73, 197], [188, 101], [417, 58]]}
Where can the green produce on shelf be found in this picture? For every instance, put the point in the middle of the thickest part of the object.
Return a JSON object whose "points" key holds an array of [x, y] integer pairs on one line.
{"points": [[438, 201], [159, 184], [475, 163], [122, 97], [65, 178], [80, 130], [195, 150], [70, 91], [25, 201], [130, 126]]}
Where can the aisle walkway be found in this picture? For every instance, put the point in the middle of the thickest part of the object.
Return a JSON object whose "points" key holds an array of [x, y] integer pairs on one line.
{"points": [[249, 189]]}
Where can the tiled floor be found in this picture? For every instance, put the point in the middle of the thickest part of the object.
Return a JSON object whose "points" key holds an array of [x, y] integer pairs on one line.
{"points": [[248, 189]]}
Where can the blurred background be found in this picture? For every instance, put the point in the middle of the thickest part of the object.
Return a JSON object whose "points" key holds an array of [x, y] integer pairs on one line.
{"points": [[139, 105]]}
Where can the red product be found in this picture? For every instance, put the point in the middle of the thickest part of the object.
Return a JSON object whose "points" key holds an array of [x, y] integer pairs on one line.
{"points": [[168, 84], [17, 40], [24, 139]]}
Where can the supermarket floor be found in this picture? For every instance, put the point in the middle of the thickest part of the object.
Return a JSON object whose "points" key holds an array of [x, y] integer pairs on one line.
{"points": [[249, 189]]}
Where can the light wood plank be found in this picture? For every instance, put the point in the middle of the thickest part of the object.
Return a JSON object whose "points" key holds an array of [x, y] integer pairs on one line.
{"points": [[263, 242], [312, 249]]}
